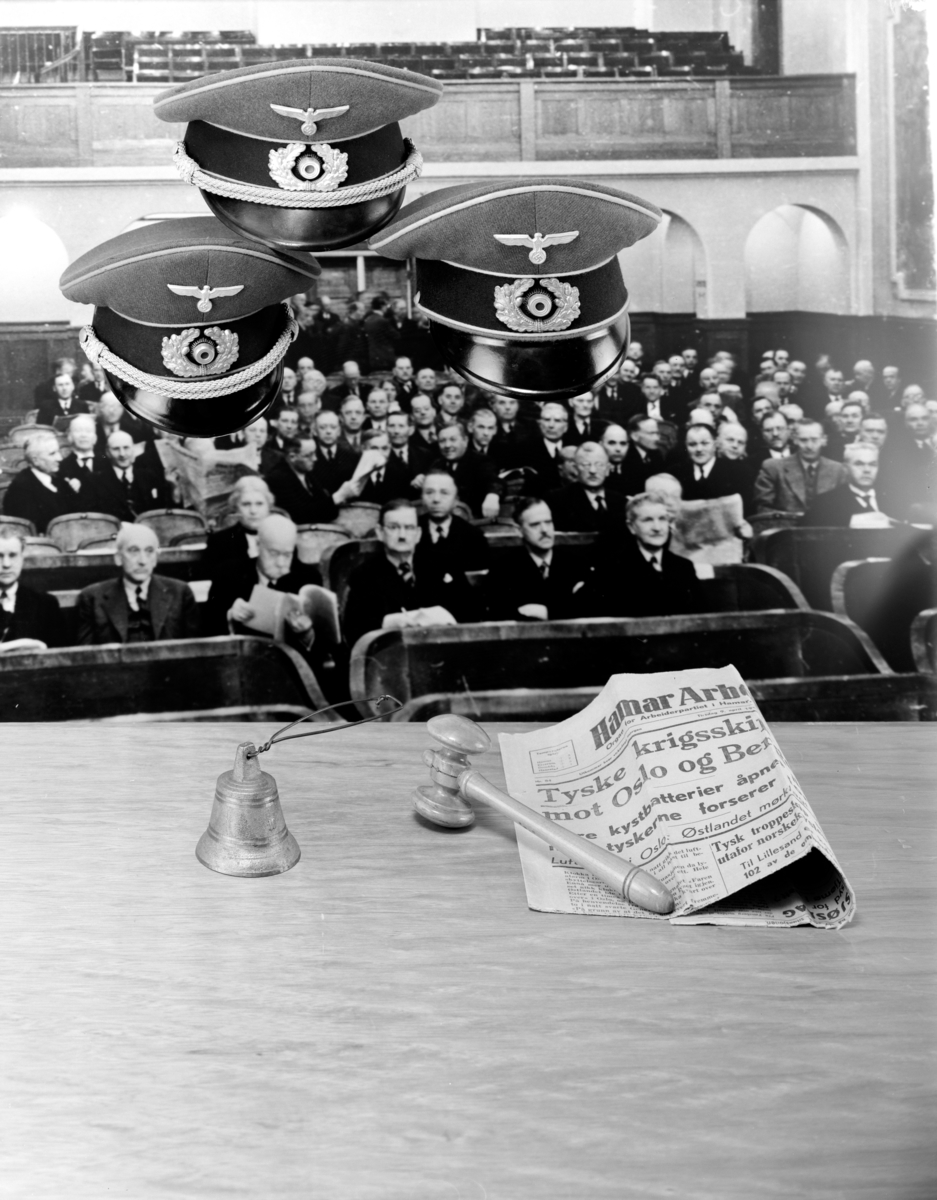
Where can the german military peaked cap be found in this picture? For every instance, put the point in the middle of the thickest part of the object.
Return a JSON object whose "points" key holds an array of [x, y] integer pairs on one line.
{"points": [[521, 278], [305, 154], [189, 322]]}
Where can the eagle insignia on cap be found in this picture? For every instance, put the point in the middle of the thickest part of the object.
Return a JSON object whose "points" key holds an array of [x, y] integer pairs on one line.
{"points": [[301, 168], [205, 294], [309, 116], [536, 305], [199, 352], [537, 243]]}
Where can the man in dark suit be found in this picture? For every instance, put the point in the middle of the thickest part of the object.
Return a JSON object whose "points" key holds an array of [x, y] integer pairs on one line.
{"points": [[298, 494], [643, 457], [538, 581], [404, 383], [24, 613], [587, 504], [124, 487], [838, 506], [415, 455], [137, 606], [790, 485], [638, 576], [36, 493], [512, 434], [275, 567], [388, 589], [63, 402], [705, 476], [476, 477], [620, 397], [615, 444], [85, 460], [45, 391], [349, 385], [584, 425], [283, 427], [446, 535], [542, 453], [335, 462], [423, 412], [482, 427], [391, 480]]}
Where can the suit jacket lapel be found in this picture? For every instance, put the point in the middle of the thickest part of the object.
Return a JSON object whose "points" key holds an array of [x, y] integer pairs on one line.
{"points": [[159, 605], [116, 607]]}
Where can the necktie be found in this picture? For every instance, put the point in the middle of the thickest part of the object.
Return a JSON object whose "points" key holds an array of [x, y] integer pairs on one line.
{"points": [[655, 562], [141, 603], [402, 455], [406, 574], [126, 480], [545, 569], [378, 476], [600, 504], [85, 464], [436, 531], [698, 474], [811, 480], [4, 592]]}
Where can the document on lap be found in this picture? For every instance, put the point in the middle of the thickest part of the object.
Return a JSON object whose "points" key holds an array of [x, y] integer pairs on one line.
{"points": [[678, 773], [270, 610]]}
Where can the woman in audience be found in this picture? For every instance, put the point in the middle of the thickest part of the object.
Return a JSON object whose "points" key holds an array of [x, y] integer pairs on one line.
{"points": [[252, 500]]}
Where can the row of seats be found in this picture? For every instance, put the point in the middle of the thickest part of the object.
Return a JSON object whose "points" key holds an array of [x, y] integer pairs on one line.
{"points": [[545, 53]]}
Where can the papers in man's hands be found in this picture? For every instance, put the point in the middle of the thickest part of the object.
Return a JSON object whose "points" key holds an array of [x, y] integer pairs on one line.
{"points": [[369, 462], [270, 609], [678, 773], [22, 644]]}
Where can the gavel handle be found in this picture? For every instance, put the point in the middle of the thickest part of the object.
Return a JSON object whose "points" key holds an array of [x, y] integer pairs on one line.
{"points": [[631, 882]]}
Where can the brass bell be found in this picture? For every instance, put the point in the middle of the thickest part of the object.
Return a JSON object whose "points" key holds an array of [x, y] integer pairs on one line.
{"points": [[247, 834]]}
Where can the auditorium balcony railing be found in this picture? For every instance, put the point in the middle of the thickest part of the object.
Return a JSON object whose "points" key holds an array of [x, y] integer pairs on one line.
{"points": [[112, 124]]}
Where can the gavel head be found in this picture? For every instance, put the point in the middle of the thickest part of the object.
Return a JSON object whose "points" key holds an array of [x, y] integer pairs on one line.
{"points": [[440, 802]]}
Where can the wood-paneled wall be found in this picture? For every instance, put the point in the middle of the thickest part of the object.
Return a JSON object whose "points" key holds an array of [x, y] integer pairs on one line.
{"points": [[112, 124]]}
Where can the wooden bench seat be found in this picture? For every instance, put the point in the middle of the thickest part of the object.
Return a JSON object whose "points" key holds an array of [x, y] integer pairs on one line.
{"points": [[237, 677], [772, 644], [810, 554]]}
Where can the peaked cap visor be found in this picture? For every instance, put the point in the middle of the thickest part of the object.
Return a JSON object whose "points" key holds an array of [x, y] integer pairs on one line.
{"points": [[376, 95], [458, 225], [131, 273]]}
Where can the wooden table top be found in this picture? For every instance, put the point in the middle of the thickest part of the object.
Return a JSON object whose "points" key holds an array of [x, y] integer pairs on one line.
{"points": [[390, 1020]]}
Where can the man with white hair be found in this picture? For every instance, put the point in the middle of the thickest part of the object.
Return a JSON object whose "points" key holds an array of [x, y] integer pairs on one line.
{"points": [[37, 493], [274, 567], [139, 605], [85, 460], [23, 612], [857, 495], [124, 487]]}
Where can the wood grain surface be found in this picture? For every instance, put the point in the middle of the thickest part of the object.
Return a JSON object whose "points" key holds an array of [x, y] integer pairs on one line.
{"points": [[389, 1020]]}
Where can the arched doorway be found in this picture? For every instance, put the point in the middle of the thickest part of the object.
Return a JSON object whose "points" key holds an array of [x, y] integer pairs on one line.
{"points": [[666, 272], [797, 260]]}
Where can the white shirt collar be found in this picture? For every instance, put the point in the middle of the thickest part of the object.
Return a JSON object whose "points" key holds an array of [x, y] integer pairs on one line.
{"points": [[251, 544], [706, 468], [9, 600], [540, 559], [441, 529], [44, 478], [650, 555], [131, 590]]}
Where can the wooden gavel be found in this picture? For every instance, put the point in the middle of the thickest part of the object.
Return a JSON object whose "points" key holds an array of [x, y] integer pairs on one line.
{"points": [[454, 783]]}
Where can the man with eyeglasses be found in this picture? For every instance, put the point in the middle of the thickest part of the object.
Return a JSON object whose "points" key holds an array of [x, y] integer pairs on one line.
{"points": [[389, 590]]}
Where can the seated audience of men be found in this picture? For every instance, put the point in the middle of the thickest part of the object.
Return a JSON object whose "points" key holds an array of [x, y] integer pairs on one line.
{"points": [[790, 485], [124, 487], [36, 493], [138, 605], [538, 580], [390, 588], [706, 476], [615, 444], [587, 504], [475, 475], [296, 491], [390, 479], [444, 533], [639, 576], [62, 403], [24, 612], [85, 460], [275, 567], [335, 460], [855, 496]]}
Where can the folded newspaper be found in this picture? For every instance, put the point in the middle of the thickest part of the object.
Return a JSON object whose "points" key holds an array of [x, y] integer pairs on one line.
{"points": [[677, 772]]}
